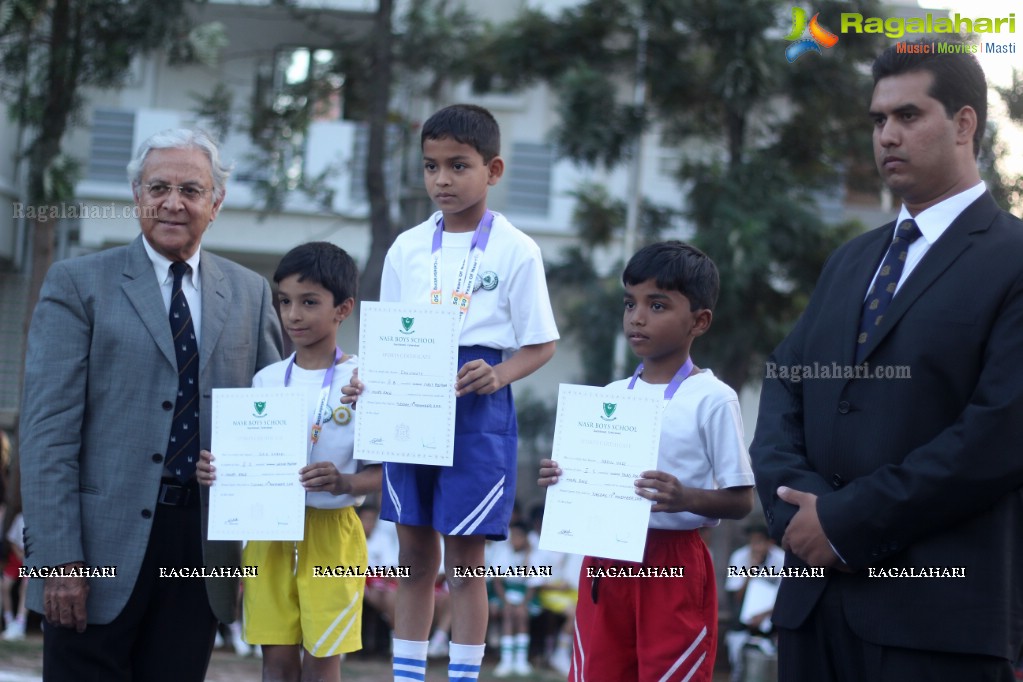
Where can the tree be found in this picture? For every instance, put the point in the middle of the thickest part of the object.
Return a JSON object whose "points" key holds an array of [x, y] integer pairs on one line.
{"points": [[759, 138], [1008, 190], [381, 230], [52, 50], [589, 300], [369, 64]]}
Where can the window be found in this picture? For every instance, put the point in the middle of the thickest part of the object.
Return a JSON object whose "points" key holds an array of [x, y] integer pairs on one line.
{"points": [[529, 178]]}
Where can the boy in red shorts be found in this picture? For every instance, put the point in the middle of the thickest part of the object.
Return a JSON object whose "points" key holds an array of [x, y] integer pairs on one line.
{"points": [[664, 629]]}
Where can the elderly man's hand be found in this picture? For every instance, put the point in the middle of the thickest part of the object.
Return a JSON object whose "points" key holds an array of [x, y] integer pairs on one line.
{"points": [[64, 600]]}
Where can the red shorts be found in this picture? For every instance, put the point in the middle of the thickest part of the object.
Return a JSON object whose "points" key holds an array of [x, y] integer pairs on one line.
{"points": [[648, 629], [381, 584], [12, 565]]}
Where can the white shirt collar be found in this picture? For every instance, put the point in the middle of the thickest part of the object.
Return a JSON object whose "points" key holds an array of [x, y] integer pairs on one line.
{"points": [[161, 264], [935, 220]]}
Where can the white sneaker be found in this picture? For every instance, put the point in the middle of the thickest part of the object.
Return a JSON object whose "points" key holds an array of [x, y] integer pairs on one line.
{"points": [[218, 641], [241, 647], [504, 669], [561, 661], [15, 631], [438, 648], [522, 668]]}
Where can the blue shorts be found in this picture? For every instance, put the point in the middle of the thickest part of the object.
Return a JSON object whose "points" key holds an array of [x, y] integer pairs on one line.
{"points": [[474, 496]]}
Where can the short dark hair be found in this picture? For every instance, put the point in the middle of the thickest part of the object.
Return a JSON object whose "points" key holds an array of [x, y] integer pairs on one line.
{"points": [[757, 529], [466, 123], [519, 525], [958, 79], [676, 266], [323, 263]]}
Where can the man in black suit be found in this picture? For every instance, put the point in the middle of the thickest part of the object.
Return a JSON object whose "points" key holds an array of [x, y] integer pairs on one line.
{"points": [[890, 437]]}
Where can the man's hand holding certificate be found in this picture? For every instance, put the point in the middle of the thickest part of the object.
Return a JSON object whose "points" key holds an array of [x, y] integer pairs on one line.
{"points": [[408, 363], [603, 441]]}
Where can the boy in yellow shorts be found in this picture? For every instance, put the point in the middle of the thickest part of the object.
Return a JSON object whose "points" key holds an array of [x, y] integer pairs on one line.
{"points": [[297, 601]]}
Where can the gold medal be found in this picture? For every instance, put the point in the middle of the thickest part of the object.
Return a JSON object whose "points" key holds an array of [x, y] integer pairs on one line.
{"points": [[342, 415]]}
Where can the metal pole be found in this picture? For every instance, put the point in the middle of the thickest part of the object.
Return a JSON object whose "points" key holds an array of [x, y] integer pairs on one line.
{"points": [[635, 181]]}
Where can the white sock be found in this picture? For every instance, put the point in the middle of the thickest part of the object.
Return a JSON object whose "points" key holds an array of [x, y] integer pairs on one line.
{"points": [[409, 662], [522, 647], [564, 642], [465, 661], [507, 648]]}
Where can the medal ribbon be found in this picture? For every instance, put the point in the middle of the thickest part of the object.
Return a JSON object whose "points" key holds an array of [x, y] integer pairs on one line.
{"points": [[328, 378], [462, 292], [676, 381]]}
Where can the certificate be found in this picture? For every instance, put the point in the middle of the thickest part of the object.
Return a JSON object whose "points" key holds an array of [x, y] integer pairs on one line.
{"points": [[260, 440], [408, 361], [603, 441]]}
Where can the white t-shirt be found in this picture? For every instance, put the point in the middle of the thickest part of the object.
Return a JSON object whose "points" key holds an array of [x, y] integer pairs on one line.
{"points": [[504, 555], [740, 559], [702, 443], [337, 440], [382, 544], [565, 568], [14, 534], [509, 308]]}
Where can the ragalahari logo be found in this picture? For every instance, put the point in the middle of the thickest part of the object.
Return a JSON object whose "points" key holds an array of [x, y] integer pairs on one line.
{"points": [[819, 36]]}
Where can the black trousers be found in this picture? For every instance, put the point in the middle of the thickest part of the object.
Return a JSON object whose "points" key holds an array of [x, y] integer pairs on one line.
{"points": [[165, 632], [825, 649]]}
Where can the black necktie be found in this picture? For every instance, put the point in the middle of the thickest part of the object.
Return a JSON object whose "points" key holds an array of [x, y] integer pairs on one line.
{"points": [[883, 291], [183, 449]]}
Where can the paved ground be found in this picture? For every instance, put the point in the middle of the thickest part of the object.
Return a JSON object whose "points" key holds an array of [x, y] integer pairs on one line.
{"points": [[22, 662]]}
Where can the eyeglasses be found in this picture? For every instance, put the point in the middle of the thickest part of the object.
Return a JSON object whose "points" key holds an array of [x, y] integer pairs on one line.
{"points": [[158, 190]]}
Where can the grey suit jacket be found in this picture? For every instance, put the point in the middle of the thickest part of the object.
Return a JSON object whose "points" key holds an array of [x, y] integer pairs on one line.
{"points": [[100, 385]]}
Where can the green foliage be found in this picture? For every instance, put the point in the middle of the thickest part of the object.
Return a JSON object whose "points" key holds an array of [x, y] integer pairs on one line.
{"points": [[769, 243], [757, 138], [590, 301], [279, 118], [215, 109], [596, 217], [536, 426], [202, 45], [1013, 96], [51, 50], [593, 127], [533, 48], [59, 180], [1008, 190], [425, 25]]}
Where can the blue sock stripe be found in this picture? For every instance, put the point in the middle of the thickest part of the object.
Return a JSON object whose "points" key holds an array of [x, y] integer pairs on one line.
{"points": [[421, 677], [419, 663], [464, 667]]}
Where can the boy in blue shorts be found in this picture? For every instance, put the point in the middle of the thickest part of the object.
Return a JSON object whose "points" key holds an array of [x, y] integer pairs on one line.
{"points": [[665, 628], [288, 606], [471, 257]]}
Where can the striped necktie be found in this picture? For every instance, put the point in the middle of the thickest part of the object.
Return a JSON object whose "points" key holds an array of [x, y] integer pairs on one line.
{"points": [[883, 291], [183, 448]]}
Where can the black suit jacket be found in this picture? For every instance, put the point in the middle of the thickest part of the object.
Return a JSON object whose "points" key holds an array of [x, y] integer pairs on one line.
{"points": [[922, 471]]}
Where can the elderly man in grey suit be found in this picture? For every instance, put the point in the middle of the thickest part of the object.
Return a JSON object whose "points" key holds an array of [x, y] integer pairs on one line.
{"points": [[125, 347]]}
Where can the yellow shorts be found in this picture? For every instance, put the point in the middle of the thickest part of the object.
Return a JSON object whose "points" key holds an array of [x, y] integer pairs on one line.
{"points": [[290, 601], [556, 600]]}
